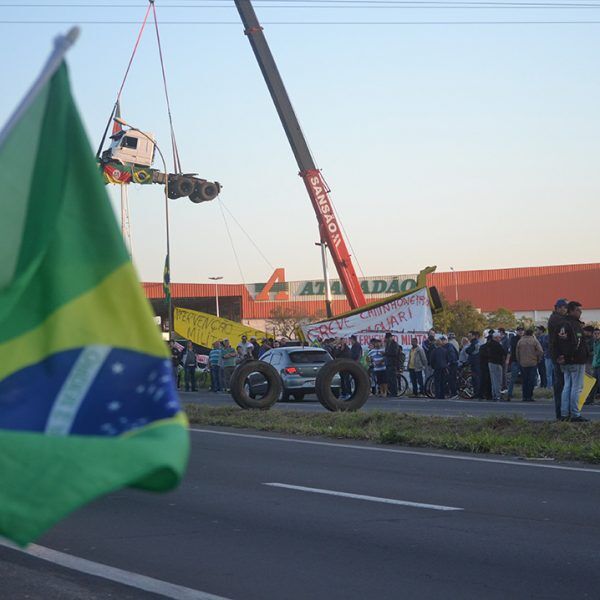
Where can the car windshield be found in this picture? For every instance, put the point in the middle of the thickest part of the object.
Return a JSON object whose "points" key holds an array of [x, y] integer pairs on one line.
{"points": [[304, 357]]}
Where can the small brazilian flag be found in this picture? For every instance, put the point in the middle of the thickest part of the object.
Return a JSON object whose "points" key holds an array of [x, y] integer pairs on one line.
{"points": [[87, 401]]}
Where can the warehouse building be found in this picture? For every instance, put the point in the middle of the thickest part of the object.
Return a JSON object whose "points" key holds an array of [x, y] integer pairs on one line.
{"points": [[527, 291]]}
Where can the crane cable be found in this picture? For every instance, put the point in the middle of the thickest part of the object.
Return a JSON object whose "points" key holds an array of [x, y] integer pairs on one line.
{"points": [[176, 161], [112, 114], [235, 254]]}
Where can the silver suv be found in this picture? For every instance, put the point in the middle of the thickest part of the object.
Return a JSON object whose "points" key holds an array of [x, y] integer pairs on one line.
{"points": [[298, 367]]}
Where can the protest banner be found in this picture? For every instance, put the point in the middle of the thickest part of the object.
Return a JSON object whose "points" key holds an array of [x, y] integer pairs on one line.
{"points": [[204, 329], [403, 315], [588, 384]]}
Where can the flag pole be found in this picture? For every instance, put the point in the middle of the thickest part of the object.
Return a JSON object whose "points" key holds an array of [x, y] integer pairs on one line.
{"points": [[62, 43]]}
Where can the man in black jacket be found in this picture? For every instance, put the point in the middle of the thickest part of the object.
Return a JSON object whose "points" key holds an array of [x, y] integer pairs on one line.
{"points": [[391, 364], [558, 380], [570, 352], [496, 357], [356, 350]]}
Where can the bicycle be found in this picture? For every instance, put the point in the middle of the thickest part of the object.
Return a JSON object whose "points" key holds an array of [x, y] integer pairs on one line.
{"points": [[464, 384], [402, 384]]}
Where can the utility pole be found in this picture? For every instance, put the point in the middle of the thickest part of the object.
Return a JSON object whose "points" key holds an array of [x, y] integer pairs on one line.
{"points": [[455, 284], [328, 307], [216, 279]]}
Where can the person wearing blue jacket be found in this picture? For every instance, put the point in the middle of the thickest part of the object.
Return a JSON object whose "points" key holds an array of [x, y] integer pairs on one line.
{"points": [[438, 361], [452, 373], [474, 362]]}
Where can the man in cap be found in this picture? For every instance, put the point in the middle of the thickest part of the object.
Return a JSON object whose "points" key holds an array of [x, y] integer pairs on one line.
{"points": [[570, 350], [558, 379], [511, 361]]}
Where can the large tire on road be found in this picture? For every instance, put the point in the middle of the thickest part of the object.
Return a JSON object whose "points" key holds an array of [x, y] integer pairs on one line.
{"points": [[240, 393], [362, 385]]}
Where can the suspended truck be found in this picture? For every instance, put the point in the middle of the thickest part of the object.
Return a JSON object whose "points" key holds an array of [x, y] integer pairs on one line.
{"points": [[129, 159]]}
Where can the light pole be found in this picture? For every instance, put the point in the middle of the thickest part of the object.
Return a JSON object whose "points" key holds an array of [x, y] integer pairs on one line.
{"points": [[328, 307], [168, 259], [455, 284], [215, 279]]}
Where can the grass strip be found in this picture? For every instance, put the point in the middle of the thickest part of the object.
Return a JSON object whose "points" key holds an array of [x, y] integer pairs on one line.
{"points": [[508, 435]]}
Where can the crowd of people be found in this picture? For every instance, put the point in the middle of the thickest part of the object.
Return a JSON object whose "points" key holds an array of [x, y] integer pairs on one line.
{"points": [[222, 360], [556, 357]]}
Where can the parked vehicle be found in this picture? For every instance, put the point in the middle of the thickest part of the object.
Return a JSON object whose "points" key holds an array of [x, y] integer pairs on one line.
{"points": [[298, 368]]}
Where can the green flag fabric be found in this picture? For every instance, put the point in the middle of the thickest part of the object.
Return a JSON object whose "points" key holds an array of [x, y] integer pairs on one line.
{"points": [[87, 399]]}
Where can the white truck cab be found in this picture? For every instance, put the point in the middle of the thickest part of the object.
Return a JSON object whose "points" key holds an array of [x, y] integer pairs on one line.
{"points": [[133, 147]]}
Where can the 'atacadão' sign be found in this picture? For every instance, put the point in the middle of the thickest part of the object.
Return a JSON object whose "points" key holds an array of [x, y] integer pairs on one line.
{"points": [[369, 286]]}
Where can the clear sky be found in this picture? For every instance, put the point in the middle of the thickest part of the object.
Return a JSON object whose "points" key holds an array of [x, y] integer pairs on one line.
{"points": [[472, 146]]}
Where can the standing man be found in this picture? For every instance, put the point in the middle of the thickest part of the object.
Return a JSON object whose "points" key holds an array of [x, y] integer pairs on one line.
{"points": [[505, 343], [245, 350], [175, 360], [570, 352], [540, 330], [417, 361], [472, 351], [428, 346], [356, 350], [452, 372], [558, 379], [189, 366], [391, 364], [255, 348], [512, 363], [342, 350], [376, 359], [528, 355], [452, 340], [229, 358], [214, 361], [496, 361], [543, 339], [439, 363], [485, 383]]}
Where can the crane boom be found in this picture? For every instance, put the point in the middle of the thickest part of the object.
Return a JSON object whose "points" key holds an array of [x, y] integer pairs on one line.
{"points": [[329, 227]]}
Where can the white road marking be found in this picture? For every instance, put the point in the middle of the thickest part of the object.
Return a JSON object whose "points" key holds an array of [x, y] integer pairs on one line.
{"points": [[496, 461], [135, 580], [301, 488]]}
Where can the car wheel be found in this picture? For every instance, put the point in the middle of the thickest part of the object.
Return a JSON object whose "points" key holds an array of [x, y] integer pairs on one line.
{"points": [[240, 389]]}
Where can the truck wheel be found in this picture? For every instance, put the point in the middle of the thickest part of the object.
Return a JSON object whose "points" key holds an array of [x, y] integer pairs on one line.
{"points": [[205, 191], [362, 385], [184, 186], [240, 390]]}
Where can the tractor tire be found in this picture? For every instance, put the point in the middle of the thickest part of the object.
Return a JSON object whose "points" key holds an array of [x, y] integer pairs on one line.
{"points": [[205, 191], [240, 392], [325, 394]]}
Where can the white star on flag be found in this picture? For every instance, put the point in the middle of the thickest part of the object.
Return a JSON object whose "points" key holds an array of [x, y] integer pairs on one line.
{"points": [[114, 406], [117, 368]]}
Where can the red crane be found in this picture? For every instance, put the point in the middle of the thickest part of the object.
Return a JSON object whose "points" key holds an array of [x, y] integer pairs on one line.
{"points": [[329, 226]]}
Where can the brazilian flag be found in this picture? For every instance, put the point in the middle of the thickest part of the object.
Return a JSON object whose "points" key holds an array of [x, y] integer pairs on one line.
{"points": [[87, 400]]}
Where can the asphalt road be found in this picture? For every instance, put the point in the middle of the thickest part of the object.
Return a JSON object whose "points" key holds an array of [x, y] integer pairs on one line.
{"points": [[542, 409], [261, 517]]}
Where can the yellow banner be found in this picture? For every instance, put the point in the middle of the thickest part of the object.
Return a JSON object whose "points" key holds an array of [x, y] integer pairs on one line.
{"points": [[588, 384], [204, 329]]}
